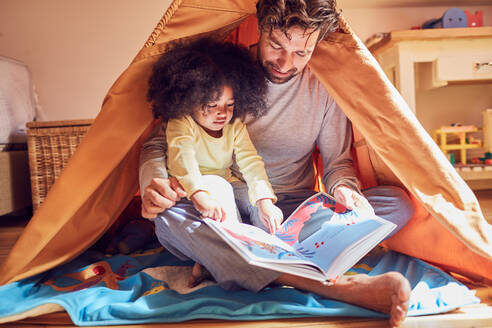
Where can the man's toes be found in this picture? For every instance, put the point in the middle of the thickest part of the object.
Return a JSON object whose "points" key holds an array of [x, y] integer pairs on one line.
{"points": [[398, 311]]}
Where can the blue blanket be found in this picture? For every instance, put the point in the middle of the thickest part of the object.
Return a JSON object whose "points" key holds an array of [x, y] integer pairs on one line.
{"points": [[98, 290]]}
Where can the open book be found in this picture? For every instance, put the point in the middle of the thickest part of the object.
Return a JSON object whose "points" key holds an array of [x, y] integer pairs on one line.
{"points": [[321, 240]]}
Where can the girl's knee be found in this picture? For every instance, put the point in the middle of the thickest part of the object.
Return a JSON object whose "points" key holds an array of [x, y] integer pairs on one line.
{"points": [[221, 190], [215, 182]]}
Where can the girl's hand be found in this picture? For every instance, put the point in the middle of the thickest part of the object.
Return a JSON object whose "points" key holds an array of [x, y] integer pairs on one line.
{"points": [[352, 200], [207, 206], [270, 215]]}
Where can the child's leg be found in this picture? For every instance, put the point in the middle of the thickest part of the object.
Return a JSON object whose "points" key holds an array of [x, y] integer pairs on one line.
{"points": [[222, 192]]}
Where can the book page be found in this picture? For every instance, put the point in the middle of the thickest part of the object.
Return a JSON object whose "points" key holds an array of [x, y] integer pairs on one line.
{"points": [[320, 240], [322, 230], [255, 244]]}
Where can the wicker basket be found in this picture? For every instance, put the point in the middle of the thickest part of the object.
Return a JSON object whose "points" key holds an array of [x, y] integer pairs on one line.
{"points": [[50, 145]]}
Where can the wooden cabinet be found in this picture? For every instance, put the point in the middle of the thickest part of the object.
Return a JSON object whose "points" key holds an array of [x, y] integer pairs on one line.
{"points": [[15, 191], [421, 60], [434, 58]]}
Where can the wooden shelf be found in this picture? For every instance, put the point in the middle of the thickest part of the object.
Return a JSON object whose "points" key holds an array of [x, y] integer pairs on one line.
{"points": [[408, 3], [476, 175], [388, 39], [477, 180]]}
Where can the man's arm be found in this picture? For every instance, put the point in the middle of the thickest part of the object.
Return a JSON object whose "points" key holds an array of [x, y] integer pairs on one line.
{"points": [[251, 165], [153, 157], [334, 143], [157, 191], [339, 176]]}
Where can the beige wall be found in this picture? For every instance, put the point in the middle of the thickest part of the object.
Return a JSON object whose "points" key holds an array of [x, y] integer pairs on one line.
{"points": [[367, 21], [77, 48]]}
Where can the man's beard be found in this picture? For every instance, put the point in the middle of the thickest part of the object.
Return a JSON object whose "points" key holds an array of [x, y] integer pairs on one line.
{"points": [[268, 68]]}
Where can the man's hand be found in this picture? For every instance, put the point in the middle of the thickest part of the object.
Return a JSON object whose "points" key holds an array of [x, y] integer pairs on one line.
{"points": [[207, 206], [270, 215], [160, 195], [352, 200]]}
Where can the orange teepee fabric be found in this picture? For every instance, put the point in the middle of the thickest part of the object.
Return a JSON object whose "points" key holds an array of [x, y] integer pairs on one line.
{"points": [[101, 177]]}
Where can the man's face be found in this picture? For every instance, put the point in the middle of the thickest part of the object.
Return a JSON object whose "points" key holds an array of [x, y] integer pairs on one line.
{"points": [[284, 55]]}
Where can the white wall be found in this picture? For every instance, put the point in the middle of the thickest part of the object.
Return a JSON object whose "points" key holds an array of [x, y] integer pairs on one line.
{"points": [[367, 21], [77, 48]]}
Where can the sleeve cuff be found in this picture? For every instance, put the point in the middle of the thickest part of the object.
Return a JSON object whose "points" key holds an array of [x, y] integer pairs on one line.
{"points": [[352, 183], [149, 170], [260, 190], [192, 184]]}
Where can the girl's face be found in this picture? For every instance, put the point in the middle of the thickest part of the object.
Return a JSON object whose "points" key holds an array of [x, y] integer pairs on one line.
{"points": [[215, 115]]}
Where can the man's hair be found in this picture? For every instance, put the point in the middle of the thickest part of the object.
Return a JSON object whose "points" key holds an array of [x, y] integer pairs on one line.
{"points": [[192, 75], [307, 14]]}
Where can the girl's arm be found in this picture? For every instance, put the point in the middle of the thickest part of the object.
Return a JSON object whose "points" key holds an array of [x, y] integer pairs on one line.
{"points": [[181, 155], [182, 164]]}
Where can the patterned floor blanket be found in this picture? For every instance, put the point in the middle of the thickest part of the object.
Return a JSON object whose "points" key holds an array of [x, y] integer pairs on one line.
{"points": [[151, 287]]}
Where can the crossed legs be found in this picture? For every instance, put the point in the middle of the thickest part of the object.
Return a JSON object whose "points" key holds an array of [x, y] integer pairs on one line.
{"points": [[181, 231]]}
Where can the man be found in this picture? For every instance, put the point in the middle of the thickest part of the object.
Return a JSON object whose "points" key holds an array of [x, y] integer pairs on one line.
{"points": [[301, 116]]}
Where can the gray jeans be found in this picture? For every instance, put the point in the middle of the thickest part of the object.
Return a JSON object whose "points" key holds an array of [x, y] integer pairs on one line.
{"points": [[180, 230]]}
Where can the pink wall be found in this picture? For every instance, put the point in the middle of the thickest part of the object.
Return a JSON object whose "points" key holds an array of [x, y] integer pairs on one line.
{"points": [[367, 21], [77, 48]]}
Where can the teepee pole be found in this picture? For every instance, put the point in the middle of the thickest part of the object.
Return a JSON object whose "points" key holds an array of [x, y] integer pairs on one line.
{"points": [[163, 22]]}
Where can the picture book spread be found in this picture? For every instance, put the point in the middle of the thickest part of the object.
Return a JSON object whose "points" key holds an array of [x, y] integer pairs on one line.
{"points": [[321, 240]]}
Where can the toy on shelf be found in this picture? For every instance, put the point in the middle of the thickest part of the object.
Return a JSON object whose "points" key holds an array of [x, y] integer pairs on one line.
{"points": [[455, 17], [476, 19], [465, 142]]}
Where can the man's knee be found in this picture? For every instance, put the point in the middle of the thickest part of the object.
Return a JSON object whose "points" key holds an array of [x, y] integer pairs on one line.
{"points": [[181, 216], [391, 202], [402, 202]]}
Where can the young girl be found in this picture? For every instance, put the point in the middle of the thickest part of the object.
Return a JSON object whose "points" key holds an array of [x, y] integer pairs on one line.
{"points": [[203, 90]]}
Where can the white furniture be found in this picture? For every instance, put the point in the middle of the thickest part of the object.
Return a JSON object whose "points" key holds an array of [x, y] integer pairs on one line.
{"points": [[445, 57], [420, 60], [17, 100]]}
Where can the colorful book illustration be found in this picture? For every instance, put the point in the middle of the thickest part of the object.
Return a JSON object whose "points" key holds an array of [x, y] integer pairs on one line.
{"points": [[321, 240]]}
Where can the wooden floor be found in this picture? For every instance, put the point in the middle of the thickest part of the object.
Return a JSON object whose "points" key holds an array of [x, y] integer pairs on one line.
{"points": [[479, 315]]}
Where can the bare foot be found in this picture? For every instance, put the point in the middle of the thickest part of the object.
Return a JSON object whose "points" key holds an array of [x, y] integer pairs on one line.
{"points": [[198, 274], [388, 293]]}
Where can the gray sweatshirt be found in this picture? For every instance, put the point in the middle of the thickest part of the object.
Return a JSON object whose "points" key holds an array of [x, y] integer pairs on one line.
{"points": [[301, 114]]}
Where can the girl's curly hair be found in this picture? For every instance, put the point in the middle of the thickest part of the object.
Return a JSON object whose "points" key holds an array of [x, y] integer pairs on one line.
{"points": [[193, 75]]}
